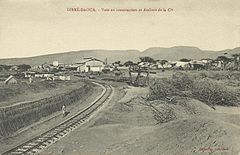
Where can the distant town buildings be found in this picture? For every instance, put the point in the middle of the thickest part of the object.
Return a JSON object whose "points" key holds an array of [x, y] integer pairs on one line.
{"points": [[90, 65], [59, 71]]}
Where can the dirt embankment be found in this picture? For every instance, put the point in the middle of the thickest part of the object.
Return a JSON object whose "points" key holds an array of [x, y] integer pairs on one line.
{"points": [[132, 126], [15, 117], [24, 91]]}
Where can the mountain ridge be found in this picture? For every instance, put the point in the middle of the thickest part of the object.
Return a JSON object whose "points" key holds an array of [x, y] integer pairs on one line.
{"points": [[158, 53]]}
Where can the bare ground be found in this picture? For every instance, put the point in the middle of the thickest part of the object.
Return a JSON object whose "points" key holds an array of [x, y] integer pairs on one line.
{"points": [[129, 125]]}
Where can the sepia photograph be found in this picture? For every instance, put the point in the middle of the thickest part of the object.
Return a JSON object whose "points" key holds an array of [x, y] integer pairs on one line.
{"points": [[119, 77]]}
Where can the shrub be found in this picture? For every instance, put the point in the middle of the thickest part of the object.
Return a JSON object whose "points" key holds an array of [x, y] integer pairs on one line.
{"points": [[182, 81], [213, 93], [202, 75], [235, 76], [201, 87], [162, 89], [221, 75]]}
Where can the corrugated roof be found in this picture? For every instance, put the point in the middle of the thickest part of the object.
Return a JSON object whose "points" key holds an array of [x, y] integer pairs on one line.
{"points": [[87, 60]]}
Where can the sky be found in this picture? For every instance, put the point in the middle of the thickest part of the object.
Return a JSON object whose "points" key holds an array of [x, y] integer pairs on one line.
{"points": [[31, 28]]}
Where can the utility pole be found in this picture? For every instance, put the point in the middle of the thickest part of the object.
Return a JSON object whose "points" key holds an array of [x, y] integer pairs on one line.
{"points": [[106, 61]]}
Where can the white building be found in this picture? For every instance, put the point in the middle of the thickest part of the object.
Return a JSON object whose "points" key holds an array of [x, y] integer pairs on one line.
{"points": [[43, 75], [59, 78], [91, 65], [181, 64], [165, 65], [55, 63]]}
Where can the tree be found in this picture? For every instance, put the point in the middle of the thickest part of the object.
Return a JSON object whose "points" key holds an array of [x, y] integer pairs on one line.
{"points": [[236, 59], [224, 60], [117, 62], [128, 63], [185, 60], [147, 59], [162, 62], [24, 67]]}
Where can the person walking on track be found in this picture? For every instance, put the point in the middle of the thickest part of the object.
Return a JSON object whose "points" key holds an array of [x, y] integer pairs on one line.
{"points": [[64, 110]]}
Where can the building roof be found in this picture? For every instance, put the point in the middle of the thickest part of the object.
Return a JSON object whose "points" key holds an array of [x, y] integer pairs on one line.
{"points": [[74, 66], [8, 79], [87, 60]]}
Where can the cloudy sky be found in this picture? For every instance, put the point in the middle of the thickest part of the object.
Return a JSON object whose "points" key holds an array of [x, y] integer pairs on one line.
{"points": [[30, 28]]}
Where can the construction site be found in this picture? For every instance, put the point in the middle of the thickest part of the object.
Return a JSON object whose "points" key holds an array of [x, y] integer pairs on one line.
{"points": [[129, 112]]}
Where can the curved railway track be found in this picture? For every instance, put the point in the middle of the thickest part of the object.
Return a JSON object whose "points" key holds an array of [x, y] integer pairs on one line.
{"points": [[49, 137]]}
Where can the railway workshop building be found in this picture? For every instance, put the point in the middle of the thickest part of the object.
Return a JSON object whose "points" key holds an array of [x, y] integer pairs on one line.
{"points": [[90, 65]]}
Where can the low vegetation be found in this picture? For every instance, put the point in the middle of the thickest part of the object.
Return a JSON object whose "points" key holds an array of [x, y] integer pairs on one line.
{"points": [[224, 75], [182, 81], [10, 91], [162, 89], [214, 93], [25, 91], [200, 86], [21, 115]]}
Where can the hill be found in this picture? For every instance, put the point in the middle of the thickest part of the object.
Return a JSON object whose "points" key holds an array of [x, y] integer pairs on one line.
{"points": [[179, 52], [173, 53], [76, 56]]}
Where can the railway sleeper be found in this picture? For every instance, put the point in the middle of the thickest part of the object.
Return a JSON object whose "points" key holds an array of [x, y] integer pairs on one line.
{"points": [[27, 146], [62, 133], [21, 150], [44, 144], [43, 138], [16, 152], [68, 130]]}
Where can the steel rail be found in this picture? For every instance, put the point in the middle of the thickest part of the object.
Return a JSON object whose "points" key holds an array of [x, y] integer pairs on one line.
{"points": [[38, 143]]}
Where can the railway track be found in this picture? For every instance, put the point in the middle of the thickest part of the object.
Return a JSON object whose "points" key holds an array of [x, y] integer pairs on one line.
{"points": [[42, 141]]}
